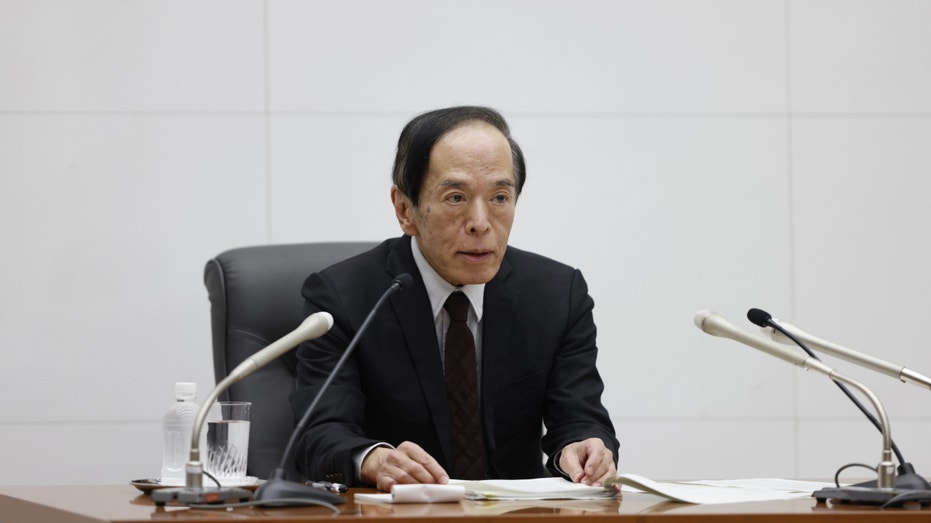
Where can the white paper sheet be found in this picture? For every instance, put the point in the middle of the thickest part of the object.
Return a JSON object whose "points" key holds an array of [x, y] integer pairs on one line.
{"points": [[721, 491]]}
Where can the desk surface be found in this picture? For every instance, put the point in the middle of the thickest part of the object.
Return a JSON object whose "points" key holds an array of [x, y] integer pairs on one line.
{"points": [[118, 504]]}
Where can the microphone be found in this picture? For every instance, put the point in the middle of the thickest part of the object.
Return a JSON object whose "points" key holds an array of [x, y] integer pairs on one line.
{"points": [[780, 331], [277, 490], [770, 325], [716, 325], [313, 326]]}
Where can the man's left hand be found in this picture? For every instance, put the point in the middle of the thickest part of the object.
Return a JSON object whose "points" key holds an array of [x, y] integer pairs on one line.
{"points": [[588, 462]]}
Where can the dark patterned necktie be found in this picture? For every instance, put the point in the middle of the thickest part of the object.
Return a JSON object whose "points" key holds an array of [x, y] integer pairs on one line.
{"points": [[462, 391]]}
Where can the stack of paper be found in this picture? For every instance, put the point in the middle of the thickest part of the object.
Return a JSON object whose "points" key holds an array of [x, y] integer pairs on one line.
{"points": [[491, 490], [527, 489]]}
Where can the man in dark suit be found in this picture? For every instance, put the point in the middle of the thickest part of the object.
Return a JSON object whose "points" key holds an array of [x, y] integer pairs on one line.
{"points": [[396, 413]]}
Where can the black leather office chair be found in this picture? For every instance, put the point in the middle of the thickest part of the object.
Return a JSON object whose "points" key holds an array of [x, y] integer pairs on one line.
{"points": [[255, 298]]}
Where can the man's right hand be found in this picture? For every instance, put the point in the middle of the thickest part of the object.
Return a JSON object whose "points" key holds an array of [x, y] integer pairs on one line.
{"points": [[385, 467]]}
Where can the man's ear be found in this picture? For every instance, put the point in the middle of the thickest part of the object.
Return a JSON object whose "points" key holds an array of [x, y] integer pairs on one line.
{"points": [[404, 210]]}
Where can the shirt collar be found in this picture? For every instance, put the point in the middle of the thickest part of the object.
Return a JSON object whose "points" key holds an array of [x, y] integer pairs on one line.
{"points": [[439, 289]]}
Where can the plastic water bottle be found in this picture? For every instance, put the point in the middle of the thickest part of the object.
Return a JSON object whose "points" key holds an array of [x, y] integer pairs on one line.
{"points": [[177, 426]]}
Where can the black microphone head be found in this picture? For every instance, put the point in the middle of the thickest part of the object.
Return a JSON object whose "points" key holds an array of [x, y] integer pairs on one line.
{"points": [[759, 317], [404, 281]]}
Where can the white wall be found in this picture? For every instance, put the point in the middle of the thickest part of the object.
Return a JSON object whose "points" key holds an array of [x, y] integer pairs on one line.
{"points": [[720, 154]]}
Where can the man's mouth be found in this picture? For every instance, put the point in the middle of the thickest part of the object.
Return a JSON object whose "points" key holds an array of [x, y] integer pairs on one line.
{"points": [[476, 256]]}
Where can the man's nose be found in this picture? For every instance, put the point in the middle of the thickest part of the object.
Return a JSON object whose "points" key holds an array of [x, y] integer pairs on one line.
{"points": [[478, 222]]}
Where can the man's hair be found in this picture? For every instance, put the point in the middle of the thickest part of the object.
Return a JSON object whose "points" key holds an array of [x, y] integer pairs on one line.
{"points": [[421, 134]]}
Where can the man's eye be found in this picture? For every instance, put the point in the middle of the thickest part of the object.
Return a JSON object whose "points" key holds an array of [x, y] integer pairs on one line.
{"points": [[456, 198]]}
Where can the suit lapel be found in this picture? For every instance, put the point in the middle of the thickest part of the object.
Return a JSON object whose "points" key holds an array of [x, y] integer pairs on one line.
{"points": [[413, 312], [500, 307]]}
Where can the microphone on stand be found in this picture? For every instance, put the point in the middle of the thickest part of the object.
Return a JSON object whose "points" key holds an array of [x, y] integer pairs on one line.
{"points": [[194, 492], [278, 491], [784, 332], [716, 325], [781, 331]]}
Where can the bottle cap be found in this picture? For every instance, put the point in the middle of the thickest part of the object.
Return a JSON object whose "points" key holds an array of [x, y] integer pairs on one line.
{"points": [[185, 391]]}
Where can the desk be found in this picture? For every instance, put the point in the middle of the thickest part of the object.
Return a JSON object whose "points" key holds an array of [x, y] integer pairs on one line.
{"points": [[124, 504]]}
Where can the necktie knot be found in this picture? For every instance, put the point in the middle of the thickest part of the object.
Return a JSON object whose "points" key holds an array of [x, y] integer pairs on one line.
{"points": [[457, 305]]}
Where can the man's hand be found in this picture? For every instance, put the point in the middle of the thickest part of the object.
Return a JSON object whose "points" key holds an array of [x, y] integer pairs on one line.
{"points": [[385, 467], [588, 462]]}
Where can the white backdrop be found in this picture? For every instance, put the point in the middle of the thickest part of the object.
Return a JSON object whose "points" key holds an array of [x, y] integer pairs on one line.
{"points": [[721, 154]]}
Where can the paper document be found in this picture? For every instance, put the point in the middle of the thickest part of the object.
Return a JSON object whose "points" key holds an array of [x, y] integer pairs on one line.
{"points": [[491, 490], [536, 489], [720, 491]]}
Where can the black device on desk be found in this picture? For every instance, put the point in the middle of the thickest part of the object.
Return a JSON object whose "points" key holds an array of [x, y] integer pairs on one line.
{"points": [[200, 495]]}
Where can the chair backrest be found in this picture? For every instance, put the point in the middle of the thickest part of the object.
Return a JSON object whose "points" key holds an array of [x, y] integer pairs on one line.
{"points": [[255, 298]]}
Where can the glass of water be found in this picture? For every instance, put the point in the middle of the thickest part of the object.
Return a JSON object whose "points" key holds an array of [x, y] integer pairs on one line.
{"points": [[228, 441]]}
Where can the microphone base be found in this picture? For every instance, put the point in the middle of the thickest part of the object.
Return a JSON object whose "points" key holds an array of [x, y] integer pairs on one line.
{"points": [[199, 495], [281, 489], [873, 496], [856, 495], [905, 479], [909, 487]]}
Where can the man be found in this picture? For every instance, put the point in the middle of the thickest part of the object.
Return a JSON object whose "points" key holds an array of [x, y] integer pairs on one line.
{"points": [[395, 413]]}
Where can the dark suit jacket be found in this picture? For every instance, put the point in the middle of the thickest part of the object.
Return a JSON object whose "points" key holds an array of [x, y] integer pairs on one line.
{"points": [[538, 366]]}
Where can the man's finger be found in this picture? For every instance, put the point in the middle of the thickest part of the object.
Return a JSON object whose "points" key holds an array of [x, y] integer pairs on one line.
{"points": [[408, 463]]}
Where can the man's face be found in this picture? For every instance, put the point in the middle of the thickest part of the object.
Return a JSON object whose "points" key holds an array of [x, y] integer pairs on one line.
{"points": [[466, 205]]}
